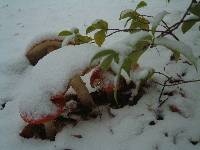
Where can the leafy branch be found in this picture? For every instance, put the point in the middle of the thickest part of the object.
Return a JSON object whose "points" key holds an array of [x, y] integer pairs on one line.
{"points": [[177, 24], [139, 22]]}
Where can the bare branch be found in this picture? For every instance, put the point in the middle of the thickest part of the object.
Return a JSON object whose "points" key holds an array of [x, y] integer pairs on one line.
{"points": [[176, 25]]}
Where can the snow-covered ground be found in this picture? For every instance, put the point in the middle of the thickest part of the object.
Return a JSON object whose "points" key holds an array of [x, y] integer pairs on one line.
{"points": [[132, 128]]}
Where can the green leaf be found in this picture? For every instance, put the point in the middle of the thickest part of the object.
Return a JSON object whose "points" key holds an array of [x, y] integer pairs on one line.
{"points": [[82, 39], [105, 65], [99, 37], [134, 26], [195, 9], [157, 19], [141, 4], [75, 30], [65, 33], [102, 54], [99, 24], [176, 54], [126, 13], [102, 24], [177, 46], [143, 43], [90, 29], [138, 49], [150, 74], [116, 57], [187, 26], [140, 23], [131, 59]]}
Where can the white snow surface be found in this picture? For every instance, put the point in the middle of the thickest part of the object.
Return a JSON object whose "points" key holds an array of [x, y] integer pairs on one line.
{"points": [[23, 20], [178, 46]]}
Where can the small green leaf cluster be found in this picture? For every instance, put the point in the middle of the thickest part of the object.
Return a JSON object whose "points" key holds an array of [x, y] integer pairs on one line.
{"points": [[137, 21], [153, 38], [101, 26], [78, 38]]}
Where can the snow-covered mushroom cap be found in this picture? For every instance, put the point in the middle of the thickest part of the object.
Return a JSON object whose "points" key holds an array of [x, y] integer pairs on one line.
{"points": [[50, 76]]}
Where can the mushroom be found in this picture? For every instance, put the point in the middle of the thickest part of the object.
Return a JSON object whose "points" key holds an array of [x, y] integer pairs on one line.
{"points": [[42, 48], [102, 80], [82, 92], [47, 120]]}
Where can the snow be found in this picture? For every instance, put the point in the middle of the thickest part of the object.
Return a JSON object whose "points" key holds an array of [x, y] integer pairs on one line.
{"points": [[130, 129], [177, 46], [140, 73], [126, 45], [158, 18], [68, 39]]}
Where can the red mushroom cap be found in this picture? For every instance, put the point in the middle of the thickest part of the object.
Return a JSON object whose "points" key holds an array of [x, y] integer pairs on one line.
{"points": [[108, 88], [96, 77], [58, 100], [42, 119]]}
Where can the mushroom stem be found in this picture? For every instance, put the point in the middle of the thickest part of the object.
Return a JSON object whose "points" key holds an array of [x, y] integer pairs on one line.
{"points": [[82, 92], [50, 129]]}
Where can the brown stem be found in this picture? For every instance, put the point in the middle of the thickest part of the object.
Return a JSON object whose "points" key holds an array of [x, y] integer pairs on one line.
{"points": [[129, 30], [82, 92]]}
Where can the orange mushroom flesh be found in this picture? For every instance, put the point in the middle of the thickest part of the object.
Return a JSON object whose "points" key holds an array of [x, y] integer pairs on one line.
{"points": [[103, 80], [58, 99]]}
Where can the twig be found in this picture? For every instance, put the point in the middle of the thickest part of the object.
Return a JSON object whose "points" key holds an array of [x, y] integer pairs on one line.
{"points": [[168, 28], [157, 111], [161, 93], [160, 73], [176, 25], [130, 30], [178, 82]]}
